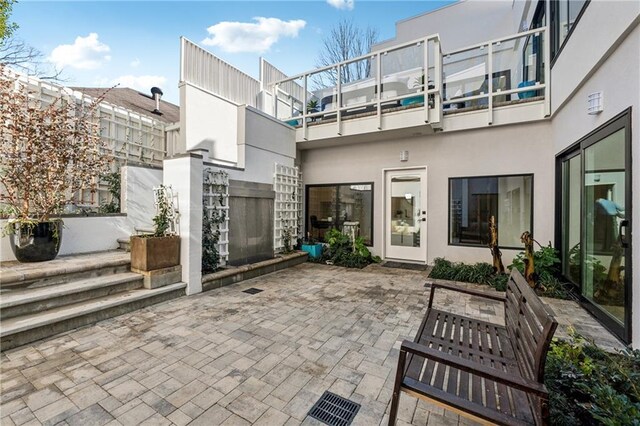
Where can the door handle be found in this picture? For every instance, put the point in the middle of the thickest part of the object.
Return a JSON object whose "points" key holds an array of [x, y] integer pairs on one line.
{"points": [[623, 238]]}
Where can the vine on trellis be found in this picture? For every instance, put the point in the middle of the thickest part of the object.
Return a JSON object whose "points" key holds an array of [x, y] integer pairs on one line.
{"points": [[214, 215]]}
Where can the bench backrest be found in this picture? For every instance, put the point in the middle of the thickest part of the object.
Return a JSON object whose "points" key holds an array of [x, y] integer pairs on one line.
{"points": [[530, 325]]}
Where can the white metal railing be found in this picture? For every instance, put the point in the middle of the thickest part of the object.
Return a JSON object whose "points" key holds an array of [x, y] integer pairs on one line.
{"points": [[485, 74], [493, 71], [391, 76], [206, 71]]}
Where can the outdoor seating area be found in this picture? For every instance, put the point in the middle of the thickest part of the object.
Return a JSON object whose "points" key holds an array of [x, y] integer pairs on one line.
{"points": [[262, 351]]}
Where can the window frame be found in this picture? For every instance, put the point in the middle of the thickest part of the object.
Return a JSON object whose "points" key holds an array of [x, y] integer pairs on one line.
{"points": [[325, 185], [497, 219], [554, 27]]}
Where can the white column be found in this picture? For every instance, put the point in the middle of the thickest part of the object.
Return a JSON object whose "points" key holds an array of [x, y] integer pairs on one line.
{"points": [[184, 174]]}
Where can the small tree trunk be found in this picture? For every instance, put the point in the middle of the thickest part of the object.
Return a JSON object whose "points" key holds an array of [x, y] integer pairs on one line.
{"points": [[498, 266], [529, 267]]}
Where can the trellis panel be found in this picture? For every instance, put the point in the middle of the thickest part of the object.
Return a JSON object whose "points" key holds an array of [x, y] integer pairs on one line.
{"points": [[215, 198], [287, 204]]}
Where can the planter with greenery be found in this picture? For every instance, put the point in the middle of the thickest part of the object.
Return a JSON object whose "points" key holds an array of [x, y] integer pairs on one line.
{"points": [[49, 153], [341, 250], [160, 250]]}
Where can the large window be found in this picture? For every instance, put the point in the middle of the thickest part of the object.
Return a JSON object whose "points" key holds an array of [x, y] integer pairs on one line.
{"points": [[473, 201], [337, 206]]}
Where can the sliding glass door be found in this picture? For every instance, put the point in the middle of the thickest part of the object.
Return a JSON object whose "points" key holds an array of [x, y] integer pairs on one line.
{"points": [[595, 222]]}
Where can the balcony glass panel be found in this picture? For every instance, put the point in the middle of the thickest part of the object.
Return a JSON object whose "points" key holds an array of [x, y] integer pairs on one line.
{"points": [[402, 71], [358, 83], [323, 89], [465, 75], [518, 63]]}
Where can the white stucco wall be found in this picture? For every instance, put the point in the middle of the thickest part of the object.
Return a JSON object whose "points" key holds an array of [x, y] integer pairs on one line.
{"points": [[210, 122], [462, 24], [262, 142], [82, 235], [517, 149], [136, 195]]}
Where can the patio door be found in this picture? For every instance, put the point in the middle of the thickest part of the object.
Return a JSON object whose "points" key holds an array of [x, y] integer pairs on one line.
{"points": [[595, 230], [406, 214]]}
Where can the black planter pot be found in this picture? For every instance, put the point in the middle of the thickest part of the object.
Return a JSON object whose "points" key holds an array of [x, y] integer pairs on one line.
{"points": [[36, 242]]}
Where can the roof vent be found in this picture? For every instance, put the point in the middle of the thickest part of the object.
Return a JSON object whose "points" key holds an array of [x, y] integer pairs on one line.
{"points": [[156, 94]]}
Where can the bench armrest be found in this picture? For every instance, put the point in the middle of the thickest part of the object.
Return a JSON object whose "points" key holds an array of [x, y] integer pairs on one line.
{"points": [[487, 372], [493, 295]]}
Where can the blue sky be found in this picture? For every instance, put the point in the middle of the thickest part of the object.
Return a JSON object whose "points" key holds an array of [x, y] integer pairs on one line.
{"points": [[99, 43]]}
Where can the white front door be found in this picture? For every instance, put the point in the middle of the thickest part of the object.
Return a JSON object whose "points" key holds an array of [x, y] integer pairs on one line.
{"points": [[406, 214]]}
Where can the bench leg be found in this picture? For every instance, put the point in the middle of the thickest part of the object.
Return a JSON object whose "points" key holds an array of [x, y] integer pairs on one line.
{"points": [[395, 398]]}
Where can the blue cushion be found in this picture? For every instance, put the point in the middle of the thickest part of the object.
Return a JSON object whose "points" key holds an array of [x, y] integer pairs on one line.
{"points": [[412, 100], [525, 95]]}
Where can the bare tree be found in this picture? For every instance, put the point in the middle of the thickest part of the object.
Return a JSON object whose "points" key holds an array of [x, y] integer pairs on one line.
{"points": [[346, 41], [19, 55]]}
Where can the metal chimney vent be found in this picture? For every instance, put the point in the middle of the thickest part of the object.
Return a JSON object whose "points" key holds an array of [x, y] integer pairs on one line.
{"points": [[156, 94]]}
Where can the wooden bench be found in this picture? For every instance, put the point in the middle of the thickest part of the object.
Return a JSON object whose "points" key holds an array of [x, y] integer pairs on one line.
{"points": [[488, 372]]}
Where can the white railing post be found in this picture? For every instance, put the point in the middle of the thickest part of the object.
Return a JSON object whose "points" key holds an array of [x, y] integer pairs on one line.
{"points": [[547, 70], [339, 100], [379, 89], [276, 88], [438, 83], [304, 108], [490, 82], [425, 80]]}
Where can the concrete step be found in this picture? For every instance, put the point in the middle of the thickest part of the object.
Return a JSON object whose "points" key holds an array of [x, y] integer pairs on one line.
{"points": [[25, 301], [24, 329], [63, 269], [124, 244]]}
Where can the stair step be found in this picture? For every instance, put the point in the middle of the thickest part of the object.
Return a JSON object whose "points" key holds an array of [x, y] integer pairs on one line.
{"points": [[24, 301], [23, 329], [124, 244], [63, 269]]}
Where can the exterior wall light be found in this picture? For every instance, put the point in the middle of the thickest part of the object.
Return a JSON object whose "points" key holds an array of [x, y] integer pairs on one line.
{"points": [[595, 103]]}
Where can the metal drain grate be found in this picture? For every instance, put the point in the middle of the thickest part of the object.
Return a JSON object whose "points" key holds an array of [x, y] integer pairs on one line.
{"points": [[334, 410], [252, 290]]}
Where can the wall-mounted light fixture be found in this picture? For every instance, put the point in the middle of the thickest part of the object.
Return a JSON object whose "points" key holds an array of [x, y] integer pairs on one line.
{"points": [[595, 103]]}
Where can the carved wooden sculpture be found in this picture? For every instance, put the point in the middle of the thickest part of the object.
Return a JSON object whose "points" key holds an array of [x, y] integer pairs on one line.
{"points": [[529, 270], [498, 266]]}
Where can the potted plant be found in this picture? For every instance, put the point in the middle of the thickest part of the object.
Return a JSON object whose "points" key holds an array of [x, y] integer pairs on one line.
{"points": [[49, 153], [313, 247], [160, 250]]}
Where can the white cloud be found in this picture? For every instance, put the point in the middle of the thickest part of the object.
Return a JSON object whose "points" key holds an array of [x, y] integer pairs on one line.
{"points": [[142, 83], [135, 63], [342, 4], [85, 53], [256, 36]]}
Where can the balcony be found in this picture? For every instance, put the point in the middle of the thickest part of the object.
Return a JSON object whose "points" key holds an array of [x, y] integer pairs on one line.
{"points": [[496, 82]]}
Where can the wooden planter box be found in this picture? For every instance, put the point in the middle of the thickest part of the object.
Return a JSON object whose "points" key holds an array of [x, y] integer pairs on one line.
{"points": [[152, 253]]}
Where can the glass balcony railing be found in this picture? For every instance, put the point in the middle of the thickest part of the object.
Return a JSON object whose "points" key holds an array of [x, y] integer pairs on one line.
{"points": [[488, 75], [371, 84], [516, 65]]}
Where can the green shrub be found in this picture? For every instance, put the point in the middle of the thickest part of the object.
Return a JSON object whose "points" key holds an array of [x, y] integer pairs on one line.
{"points": [[340, 251], [545, 261], [478, 273], [588, 386]]}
